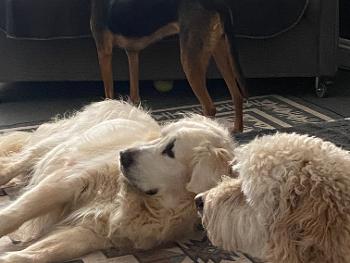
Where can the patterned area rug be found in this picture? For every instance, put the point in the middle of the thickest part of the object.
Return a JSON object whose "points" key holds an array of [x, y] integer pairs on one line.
{"points": [[337, 132], [261, 115], [262, 112]]}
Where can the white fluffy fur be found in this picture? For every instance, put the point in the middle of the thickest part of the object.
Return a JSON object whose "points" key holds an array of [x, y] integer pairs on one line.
{"points": [[77, 199], [290, 202]]}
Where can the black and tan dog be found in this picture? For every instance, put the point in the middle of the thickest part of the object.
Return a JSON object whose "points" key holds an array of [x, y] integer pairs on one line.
{"points": [[204, 28]]}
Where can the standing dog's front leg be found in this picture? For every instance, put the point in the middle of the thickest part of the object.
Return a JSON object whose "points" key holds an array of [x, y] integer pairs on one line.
{"points": [[43, 198], [61, 245], [133, 58], [105, 62], [104, 45]]}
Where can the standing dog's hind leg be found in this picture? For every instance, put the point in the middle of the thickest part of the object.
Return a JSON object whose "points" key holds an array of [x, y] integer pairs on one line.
{"points": [[223, 58], [133, 58], [195, 59], [61, 245]]}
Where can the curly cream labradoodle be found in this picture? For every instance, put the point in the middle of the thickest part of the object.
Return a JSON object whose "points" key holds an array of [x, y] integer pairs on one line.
{"points": [[78, 200], [289, 203]]}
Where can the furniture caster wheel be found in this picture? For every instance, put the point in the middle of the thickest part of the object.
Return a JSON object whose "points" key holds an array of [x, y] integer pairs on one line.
{"points": [[322, 85]]}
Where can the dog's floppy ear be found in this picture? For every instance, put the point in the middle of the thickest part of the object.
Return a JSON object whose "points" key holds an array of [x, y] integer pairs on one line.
{"points": [[309, 223], [208, 165]]}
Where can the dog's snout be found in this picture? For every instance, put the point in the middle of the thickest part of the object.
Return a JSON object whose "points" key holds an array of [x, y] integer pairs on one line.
{"points": [[199, 202], [126, 158]]}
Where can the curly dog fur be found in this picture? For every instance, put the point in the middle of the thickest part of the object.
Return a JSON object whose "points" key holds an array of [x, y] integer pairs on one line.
{"points": [[289, 203]]}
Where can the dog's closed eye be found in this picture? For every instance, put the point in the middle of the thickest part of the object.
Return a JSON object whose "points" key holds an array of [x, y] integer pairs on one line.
{"points": [[152, 192], [169, 149]]}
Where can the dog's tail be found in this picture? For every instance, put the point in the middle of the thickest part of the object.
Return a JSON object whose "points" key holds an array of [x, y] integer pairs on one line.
{"points": [[226, 10]]}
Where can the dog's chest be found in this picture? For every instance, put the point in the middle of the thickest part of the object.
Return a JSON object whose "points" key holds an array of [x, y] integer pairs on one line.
{"points": [[140, 18]]}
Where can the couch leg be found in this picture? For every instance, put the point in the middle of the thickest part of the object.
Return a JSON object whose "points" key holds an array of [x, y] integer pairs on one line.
{"points": [[322, 85]]}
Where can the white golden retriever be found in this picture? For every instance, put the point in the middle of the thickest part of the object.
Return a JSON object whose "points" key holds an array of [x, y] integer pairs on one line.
{"points": [[78, 200], [290, 202]]}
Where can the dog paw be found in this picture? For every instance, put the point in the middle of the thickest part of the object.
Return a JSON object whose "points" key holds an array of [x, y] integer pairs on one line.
{"points": [[6, 258], [5, 174], [13, 257], [6, 223], [236, 129], [210, 112], [4, 179]]}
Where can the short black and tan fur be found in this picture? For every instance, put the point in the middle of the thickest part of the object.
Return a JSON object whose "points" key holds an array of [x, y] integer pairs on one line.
{"points": [[205, 31]]}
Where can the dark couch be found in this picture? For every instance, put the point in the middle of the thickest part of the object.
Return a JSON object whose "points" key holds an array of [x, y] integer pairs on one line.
{"points": [[309, 49]]}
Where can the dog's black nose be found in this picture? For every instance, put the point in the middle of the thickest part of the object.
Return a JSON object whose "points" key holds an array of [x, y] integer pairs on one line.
{"points": [[199, 202], [126, 158]]}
